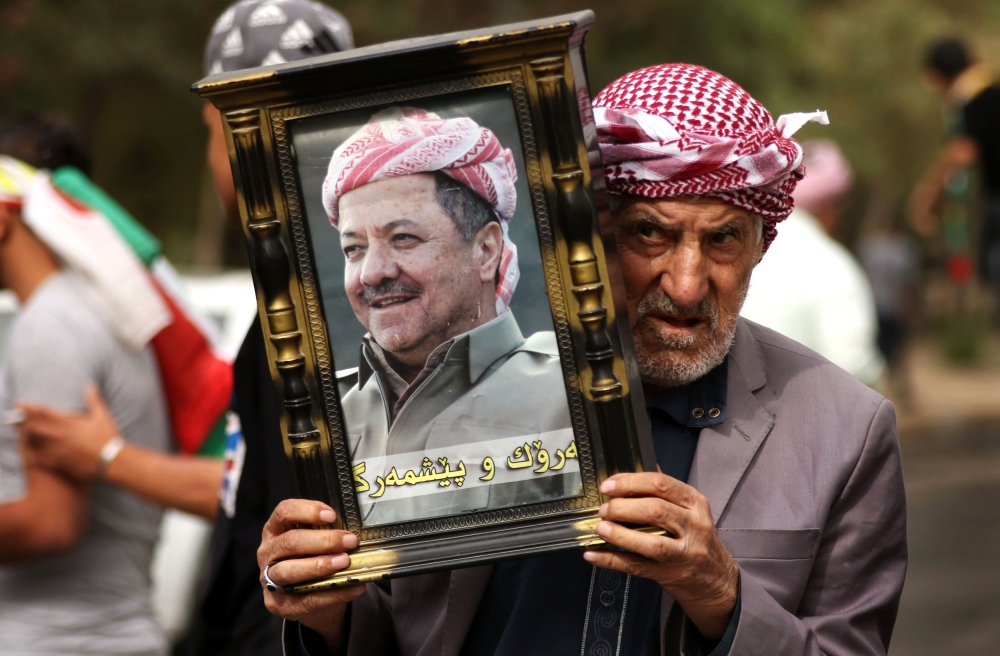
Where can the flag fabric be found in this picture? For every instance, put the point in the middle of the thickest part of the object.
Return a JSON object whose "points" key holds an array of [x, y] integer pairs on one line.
{"points": [[135, 288], [197, 380]]}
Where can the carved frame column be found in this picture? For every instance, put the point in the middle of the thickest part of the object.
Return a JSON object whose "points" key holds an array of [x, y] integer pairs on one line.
{"points": [[576, 215], [273, 268]]}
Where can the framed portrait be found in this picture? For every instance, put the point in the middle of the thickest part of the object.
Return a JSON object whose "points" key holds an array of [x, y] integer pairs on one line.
{"points": [[439, 292]]}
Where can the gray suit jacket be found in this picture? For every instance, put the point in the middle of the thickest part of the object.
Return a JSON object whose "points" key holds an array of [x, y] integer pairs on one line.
{"points": [[805, 483]]}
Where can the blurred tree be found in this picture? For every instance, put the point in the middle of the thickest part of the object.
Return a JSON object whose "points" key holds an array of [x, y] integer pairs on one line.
{"points": [[121, 70]]}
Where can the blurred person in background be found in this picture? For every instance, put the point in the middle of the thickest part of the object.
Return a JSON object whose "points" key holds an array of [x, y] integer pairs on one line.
{"points": [[972, 110], [196, 381], [75, 556], [232, 618], [827, 304], [892, 262]]}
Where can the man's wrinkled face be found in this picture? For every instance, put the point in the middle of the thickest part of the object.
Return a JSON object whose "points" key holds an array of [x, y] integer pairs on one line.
{"points": [[686, 264], [412, 280]]}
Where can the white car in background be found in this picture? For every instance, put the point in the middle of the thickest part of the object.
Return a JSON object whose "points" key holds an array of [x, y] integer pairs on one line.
{"points": [[228, 302]]}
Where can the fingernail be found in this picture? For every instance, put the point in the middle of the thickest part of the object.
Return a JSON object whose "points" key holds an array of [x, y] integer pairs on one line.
{"points": [[591, 556], [604, 529], [603, 511], [350, 540], [340, 561], [327, 516], [608, 486]]}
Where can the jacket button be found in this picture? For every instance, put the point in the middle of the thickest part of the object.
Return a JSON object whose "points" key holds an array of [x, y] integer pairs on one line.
{"points": [[714, 412], [698, 413]]}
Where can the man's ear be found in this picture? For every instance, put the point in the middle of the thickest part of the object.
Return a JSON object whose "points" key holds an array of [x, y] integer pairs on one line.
{"points": [[487, 246]]}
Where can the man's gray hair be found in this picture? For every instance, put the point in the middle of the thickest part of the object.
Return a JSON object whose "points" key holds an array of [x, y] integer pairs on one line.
{"points": [[470, 211]]}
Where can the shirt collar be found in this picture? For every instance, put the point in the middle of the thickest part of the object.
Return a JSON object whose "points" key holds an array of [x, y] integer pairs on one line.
{"points": [[478, 349], [698, 404]]}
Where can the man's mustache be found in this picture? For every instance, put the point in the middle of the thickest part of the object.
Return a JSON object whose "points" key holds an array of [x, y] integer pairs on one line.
{"points": [[390, 287], [659, 302]]}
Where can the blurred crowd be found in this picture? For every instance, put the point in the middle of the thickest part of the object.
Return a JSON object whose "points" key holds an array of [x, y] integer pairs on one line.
{"points": [[118, 399]]}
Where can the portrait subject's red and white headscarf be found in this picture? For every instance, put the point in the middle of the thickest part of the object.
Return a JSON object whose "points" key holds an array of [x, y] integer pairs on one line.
{"points": [[404, 141], [677, 130]]}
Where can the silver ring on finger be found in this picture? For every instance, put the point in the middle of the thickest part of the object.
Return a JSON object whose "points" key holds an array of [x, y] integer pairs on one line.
{"points": [[268, 583]]}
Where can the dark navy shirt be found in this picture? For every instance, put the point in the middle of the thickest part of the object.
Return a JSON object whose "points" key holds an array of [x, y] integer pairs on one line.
{"points": [[560, 604]]}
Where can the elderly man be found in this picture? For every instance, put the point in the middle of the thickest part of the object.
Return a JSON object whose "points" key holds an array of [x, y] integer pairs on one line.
{"points": [[781, 488], [422, 205]]}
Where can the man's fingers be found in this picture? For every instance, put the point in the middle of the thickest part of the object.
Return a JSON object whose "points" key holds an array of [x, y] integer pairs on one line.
{"points": [[301, 570], [650, 484], [298, 543], [41, 420], [655, 547], [98, 409], [95, 402], [646, 511], [293, 512]]}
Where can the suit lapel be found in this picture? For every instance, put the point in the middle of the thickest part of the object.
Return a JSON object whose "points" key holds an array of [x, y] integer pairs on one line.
{"points": [[465, 591], [724, 452]]}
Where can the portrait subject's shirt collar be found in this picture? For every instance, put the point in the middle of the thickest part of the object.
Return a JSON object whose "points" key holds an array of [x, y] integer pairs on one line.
{"points": [[477, 350]]}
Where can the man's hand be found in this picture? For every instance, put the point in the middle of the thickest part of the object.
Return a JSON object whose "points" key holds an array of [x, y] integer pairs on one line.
{"points": [[69, 444], [297, 555], [693, 565]]}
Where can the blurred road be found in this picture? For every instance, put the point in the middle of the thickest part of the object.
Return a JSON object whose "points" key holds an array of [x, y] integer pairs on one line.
{"points": [[951, 602]]}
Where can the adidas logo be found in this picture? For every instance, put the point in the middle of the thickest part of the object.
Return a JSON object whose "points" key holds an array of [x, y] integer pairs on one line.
{"points": [[296, 36], [225, 21], [267, 14], [273, 57], [233, 45]]}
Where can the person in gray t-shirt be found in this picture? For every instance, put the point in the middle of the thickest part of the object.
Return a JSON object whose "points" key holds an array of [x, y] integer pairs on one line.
{"points": [[74, 558]]}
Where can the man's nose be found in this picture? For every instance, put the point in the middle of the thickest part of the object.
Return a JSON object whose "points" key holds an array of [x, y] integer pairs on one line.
{"points": [[378, 265], [685, 278]]}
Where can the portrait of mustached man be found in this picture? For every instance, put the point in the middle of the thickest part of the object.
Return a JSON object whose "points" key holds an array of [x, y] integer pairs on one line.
{"points": [[422, 205]]}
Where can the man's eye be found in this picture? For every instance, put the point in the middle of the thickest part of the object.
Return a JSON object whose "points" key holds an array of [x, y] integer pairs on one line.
{"points": [[351, 251], [403, 239], [725, 237], [648, 231]]}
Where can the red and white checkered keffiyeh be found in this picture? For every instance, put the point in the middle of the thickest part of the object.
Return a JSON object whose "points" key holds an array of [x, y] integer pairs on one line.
{"points": [[404, 141], [677, 130]]}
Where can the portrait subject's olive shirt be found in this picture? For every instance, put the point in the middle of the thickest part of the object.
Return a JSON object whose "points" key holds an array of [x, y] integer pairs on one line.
{"points": [[463, 397], [399, 391]]}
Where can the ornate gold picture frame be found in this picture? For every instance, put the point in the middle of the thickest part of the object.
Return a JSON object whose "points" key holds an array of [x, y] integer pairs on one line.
{"points": [[524, 85]]}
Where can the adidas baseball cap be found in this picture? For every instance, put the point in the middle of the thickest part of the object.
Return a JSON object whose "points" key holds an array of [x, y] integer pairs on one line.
{"points": [[255, 33]]}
